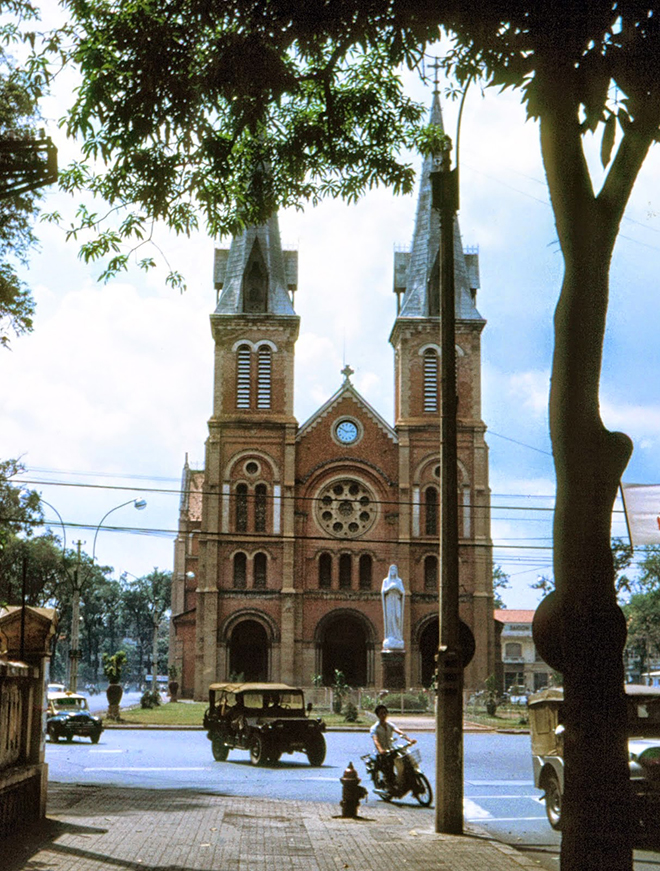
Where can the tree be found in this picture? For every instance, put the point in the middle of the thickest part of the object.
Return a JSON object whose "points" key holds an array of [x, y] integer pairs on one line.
{"points": [[236, 87], [27, 563], [500, 582], [643, 612], [19, 507], [146, 602], [20, 90]]}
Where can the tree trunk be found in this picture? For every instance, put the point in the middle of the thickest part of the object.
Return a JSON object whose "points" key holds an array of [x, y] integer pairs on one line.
{"points": [[589, 462], [579, 629]]}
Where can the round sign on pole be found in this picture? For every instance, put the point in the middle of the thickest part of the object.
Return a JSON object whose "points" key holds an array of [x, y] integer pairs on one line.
{"points": [[466, 640]]}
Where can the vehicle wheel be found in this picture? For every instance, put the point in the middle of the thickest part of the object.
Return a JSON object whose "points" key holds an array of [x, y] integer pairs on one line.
{"points": [[258, 750], [316, 750], [55, 736], [95, 737], [274, 756], [219, 749], [69, 738], [423, 792], [553, 800]]}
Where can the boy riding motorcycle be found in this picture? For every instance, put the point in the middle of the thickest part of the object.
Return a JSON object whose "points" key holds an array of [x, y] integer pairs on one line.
{"points": [[381, 733]]}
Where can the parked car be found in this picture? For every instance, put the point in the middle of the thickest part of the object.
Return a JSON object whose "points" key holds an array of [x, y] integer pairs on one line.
{"points": [[517, 695], [68, 715], [55, 688], [547, 734], [267, 719]]}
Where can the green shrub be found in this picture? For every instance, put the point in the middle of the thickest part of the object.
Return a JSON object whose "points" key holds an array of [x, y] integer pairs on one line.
{"points": [[150, 700], [410, 702], [113, 666], [350, 713]]}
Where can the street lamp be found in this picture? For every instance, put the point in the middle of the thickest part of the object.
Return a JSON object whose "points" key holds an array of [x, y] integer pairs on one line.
{"points": [[138, 503], [74, 653]]}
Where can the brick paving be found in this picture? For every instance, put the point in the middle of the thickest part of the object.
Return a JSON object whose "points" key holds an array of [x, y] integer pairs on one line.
{"points": [[96, 828]]}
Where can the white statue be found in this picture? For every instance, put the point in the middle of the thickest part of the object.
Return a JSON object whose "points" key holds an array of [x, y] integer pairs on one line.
{"points": [[392, 593]]}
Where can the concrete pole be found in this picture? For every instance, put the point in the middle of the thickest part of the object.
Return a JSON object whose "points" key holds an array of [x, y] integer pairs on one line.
{"points": [[449, 718], [74, 652]]}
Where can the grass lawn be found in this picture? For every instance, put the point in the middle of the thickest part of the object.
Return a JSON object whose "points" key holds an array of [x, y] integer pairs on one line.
{"points": [[516, 722], [192, 714]]}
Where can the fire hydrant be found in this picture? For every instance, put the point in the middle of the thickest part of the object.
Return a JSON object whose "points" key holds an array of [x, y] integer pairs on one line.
{"points": [[351, 792]]}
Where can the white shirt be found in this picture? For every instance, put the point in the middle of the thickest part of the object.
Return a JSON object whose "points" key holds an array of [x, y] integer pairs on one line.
{"points": [[383, 732]]}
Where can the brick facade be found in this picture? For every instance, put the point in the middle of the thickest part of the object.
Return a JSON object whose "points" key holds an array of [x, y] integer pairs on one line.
{"points": [[286, 535]]}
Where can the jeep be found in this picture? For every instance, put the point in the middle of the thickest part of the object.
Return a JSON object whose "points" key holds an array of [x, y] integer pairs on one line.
{"points": [[267, 719]]}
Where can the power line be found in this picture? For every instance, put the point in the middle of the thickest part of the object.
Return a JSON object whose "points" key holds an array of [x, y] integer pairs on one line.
{"points": [[251, 496]]}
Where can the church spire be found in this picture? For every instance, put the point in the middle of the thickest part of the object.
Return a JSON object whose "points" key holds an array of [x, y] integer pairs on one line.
{"points": [[417, 272], [255, 276]]}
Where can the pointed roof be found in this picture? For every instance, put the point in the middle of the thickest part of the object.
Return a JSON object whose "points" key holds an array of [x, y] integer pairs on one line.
{"points": [[420, 263], [346, 390], [281, 267]]}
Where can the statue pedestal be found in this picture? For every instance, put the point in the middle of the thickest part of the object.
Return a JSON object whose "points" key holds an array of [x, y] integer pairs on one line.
{"points": [[394, 674]]}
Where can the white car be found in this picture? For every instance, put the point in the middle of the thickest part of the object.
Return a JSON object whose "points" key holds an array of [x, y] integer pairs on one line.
{"points": [[547, 734]]}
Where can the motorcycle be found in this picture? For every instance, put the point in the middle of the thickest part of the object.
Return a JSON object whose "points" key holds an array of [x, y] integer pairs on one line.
{"points": [[407, 776]]}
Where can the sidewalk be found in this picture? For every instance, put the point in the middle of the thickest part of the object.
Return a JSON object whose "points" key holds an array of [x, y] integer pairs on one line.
{"points": [[96, 828]]}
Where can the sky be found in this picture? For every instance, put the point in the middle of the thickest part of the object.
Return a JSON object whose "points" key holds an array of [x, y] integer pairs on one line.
{"points": [[111, 391]]}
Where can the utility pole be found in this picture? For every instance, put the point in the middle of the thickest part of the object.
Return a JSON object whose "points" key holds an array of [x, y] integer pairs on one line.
{"points": [[74, 652], [449, 718]]}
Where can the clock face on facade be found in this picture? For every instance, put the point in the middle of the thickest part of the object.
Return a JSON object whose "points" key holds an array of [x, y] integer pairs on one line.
{"points": [[346, 431]]}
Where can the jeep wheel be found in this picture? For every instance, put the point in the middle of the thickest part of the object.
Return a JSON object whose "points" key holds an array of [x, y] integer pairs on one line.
{"points": [[553, 800], [68, 737], [54, 736], [315, 750], [219, 749], [274, 756], [95, 737], [258, 750]]}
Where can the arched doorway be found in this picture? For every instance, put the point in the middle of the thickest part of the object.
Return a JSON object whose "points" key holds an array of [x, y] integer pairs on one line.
{"points": [[428, 648], [343, 647], [248, 652]]}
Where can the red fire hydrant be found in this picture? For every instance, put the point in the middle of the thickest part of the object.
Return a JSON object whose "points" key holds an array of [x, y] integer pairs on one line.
{"points": [[351, 792]]}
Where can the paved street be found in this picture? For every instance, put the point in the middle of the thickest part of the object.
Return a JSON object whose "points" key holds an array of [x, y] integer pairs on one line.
{"points": [[499, 793]]}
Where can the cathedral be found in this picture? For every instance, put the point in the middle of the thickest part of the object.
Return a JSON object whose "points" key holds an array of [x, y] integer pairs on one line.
{"points": [[287, 533]]}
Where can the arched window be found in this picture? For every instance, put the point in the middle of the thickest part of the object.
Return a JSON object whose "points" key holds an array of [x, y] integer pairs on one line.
{"points": [[345, 571], [241, 507], [243, 361], [260, 495], [431, 511], [431, 573], [264, 375], [430, 380], [240, 573], [260, 570], [366, 571], [325, 571]]}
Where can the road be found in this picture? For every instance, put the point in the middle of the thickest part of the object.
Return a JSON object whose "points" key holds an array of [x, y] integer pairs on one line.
{"points": [[499, 794]]}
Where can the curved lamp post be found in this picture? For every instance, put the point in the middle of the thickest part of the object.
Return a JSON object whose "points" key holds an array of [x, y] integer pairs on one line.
{"points": [[74, 653], [137, 503]]}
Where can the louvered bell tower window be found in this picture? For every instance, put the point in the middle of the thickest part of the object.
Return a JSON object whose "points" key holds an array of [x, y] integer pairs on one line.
{"points": [[264, 375], [260, 570], [240, 571], [431, 506], [241, 508], [243, 377], [430, 380]]}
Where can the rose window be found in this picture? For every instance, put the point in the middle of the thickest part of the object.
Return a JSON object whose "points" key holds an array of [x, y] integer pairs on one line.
{"points": [[346, 509]]}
